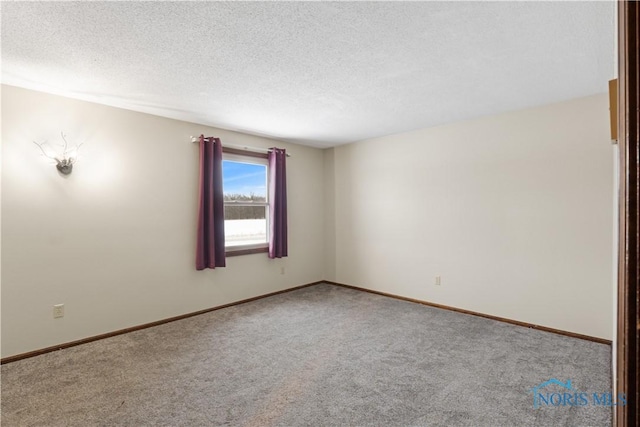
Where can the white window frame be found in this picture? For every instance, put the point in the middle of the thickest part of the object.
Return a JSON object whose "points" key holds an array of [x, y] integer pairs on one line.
{"points": [[257, 161]]}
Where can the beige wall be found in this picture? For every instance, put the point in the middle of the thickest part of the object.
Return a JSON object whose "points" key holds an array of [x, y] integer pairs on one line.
{"points": [[329, 216], [513, 211], [114, 241]]}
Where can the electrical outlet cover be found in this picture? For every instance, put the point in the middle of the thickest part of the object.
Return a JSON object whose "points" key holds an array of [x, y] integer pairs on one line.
{"points": [[58, 311]]}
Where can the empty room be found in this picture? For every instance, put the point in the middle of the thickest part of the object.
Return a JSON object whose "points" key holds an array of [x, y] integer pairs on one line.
{"points": [[309, 214]]}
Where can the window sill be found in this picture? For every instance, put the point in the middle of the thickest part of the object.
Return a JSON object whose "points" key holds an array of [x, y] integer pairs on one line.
{"points": [[250, 251]]}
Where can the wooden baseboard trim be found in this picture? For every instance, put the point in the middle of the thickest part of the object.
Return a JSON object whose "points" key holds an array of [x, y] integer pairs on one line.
{"points": [[474, 313], [62, 346], [143, 326]]}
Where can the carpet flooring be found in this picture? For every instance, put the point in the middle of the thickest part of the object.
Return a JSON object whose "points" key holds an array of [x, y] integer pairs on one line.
{"points": [[317, 356]]}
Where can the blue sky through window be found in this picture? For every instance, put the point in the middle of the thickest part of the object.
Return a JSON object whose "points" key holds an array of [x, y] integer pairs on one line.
{"points": [[244, 178]]}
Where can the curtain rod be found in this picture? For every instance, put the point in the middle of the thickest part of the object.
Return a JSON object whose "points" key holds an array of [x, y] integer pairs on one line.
{"points": [[240, 147]]}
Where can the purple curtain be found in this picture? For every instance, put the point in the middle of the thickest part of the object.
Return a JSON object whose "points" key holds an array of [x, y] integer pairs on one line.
{"points": [[278, 203], [210, 245]]}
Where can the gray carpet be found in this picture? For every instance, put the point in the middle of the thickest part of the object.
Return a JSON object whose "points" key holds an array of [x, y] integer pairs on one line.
{"points": [[318, 356]]}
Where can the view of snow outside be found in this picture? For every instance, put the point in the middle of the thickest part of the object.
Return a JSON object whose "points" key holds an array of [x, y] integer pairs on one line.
{"points": [[245, 231]]}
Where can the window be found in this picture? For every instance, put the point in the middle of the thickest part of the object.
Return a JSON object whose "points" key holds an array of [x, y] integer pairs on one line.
{"points": [[246, 202]]}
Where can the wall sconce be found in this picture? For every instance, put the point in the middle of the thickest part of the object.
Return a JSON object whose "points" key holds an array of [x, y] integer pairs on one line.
{"points": [[64, 162]]}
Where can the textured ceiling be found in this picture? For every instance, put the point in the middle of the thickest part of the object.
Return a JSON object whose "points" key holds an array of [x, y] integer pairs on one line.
{"points": [[316, 73]]}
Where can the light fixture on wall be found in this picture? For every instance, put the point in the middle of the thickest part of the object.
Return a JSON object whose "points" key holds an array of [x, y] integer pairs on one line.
{"points": [[64, 162]]}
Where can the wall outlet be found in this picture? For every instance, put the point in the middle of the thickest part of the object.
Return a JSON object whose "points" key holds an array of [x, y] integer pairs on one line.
{"points": [[58, 311], [281, 270], [437, 280]]}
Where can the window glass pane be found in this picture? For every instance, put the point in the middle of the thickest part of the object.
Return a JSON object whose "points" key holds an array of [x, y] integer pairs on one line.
{"points": [[245, 225], [244, 182]]}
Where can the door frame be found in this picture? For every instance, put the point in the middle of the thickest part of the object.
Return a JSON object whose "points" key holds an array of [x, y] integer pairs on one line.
{"points": [[626, 374]]}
